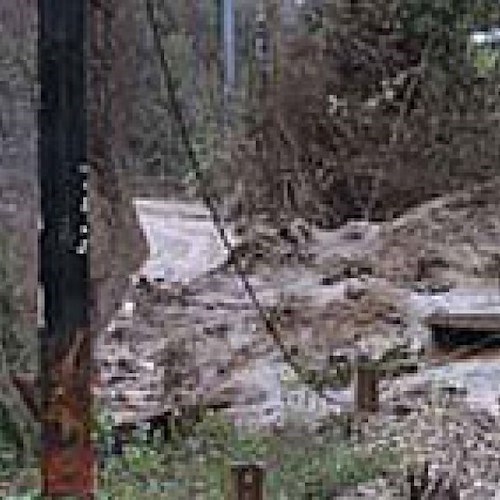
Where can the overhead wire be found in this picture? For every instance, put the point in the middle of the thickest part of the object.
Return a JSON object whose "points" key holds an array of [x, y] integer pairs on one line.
{"points": [[272, 328]]}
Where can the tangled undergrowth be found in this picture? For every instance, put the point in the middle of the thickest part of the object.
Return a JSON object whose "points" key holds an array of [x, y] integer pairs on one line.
{"points": [[297, 465]]}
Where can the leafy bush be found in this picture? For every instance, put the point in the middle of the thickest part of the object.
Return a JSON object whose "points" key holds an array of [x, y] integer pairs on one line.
{"points": [[377, 111]]}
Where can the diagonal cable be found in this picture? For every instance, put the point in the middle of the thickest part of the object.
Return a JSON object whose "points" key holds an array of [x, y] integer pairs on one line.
{"points": [[270, 323]]}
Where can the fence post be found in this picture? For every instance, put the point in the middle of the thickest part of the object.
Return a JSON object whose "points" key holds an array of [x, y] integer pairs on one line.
{"points": [[246, 481], [366, 386]]}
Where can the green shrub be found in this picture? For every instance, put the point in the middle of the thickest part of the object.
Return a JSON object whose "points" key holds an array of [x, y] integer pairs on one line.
{"points": [[297, 465]]}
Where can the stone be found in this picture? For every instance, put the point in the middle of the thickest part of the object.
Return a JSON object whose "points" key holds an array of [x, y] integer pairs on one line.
{"points": [[418, 287], [393, 318], [143, 284], [439, 287], [354, 290], [330, 280], [452, 390]]}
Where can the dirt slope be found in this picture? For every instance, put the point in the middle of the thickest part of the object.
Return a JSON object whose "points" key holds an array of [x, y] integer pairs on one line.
{"points": [[451, 240]]}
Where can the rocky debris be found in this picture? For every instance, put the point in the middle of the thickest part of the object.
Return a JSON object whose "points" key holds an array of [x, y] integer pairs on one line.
{"points": [[355, 289], [214, 351], [432, 287], [265, 245], [144, 284], [331, 279], [372, 322], [421, 482], [439, 429], [347, 268], [444, 240], [215, 336], [226, 349], [191, 363]]}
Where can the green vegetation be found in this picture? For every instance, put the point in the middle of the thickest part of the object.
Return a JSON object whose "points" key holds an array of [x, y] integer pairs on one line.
{"points": [[298, 463], [17, 433], [485, 60], [18, 344]]}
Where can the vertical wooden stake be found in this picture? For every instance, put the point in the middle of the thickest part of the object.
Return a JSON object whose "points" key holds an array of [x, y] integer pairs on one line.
{"points": [[366, 386], [246, 481]]}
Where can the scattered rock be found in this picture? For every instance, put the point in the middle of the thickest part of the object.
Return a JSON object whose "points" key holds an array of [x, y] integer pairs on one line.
{"points": [[126, 364], [452, 390], [439, 287], [118, 334], [419, 287], [354, 290], [331, 280], [143, 284], [393, 318], [219, 331], [338, 359]]}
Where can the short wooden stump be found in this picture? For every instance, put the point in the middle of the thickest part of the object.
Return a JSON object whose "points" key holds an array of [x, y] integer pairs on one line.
{"points": [[246, 481], [366, 386]]}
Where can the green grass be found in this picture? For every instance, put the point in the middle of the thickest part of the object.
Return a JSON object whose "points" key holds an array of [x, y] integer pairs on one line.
{"points": [[298, 465], [485, 60], [17, 348]]}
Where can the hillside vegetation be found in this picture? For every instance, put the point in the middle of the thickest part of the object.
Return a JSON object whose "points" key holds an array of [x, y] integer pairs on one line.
{"points": [[378, 107]]}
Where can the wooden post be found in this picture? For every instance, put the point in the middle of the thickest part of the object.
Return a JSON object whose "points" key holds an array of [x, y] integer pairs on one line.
{"points": [[67, 458], [246, 481], [366, 386]]}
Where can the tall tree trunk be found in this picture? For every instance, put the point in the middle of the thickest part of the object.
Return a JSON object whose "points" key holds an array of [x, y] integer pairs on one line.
{"points": [[67, 461]]}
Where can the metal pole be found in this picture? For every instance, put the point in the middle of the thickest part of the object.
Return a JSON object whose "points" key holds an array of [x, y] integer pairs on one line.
{"points": [[67, 459], [229, 48], [226, 54]]}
